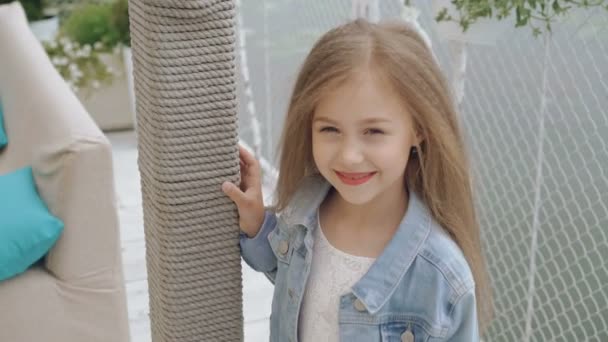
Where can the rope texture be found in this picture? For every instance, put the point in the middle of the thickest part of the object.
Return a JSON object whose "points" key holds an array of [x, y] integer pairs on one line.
{"points": [[184, 72]]}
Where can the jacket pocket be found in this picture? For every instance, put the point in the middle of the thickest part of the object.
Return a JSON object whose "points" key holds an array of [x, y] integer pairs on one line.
{"points": [[404, 332]]}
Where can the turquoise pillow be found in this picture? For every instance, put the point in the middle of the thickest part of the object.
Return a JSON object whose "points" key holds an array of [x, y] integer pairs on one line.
{"points": [[3, 139], [27, 229]]}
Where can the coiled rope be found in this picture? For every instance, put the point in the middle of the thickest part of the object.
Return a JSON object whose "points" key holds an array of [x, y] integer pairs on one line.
{"points": [[184, 73]]}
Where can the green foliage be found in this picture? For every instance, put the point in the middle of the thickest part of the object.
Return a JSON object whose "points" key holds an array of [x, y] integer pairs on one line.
{"points": [[78, 64], [537, 14], [89, 24], [106, 22], [33, 8], [87, 30], [120, 21]]}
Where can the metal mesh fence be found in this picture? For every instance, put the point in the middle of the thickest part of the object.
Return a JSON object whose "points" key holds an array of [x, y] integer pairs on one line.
{"points": [[536, 118], [535, 114]]}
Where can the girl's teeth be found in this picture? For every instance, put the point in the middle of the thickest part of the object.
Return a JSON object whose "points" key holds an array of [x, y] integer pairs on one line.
{"points": [[354, 178]]}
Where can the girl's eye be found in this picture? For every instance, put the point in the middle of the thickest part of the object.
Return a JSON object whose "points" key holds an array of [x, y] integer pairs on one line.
{"points": [[373, 131], [328, 129]]}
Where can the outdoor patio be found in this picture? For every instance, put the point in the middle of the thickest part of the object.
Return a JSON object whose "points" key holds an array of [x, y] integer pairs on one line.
{"points": [[533, 110]]}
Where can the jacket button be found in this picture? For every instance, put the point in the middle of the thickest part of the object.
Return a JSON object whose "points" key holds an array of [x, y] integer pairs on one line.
{"points": [[407, 336], [283, 247], [359, 305]]}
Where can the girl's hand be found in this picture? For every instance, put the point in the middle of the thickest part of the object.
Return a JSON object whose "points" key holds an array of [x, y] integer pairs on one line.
{"points": [[248, 197]]}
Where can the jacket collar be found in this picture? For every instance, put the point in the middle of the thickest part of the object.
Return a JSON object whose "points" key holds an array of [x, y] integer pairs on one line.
{"points": [[378, 284], [302, 208]]}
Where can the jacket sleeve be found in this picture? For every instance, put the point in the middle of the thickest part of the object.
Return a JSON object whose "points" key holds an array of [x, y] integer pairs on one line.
{"points": [[464, 327], [257, 252]]}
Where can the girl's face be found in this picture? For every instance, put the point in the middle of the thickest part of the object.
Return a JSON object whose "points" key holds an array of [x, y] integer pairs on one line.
{"points": [[361, 139]]}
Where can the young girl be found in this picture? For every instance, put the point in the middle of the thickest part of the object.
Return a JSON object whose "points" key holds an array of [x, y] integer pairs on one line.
{"points": [[373, 236]]}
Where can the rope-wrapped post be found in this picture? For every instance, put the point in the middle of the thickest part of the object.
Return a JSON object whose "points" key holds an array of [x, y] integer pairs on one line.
{"points": [[184, 72]]}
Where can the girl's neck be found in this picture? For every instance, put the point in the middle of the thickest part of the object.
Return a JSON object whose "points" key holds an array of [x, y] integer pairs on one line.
{"points": [[386, 210]]}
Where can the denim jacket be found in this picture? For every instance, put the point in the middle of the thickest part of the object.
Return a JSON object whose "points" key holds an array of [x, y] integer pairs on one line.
{"points": [[419, 289]]}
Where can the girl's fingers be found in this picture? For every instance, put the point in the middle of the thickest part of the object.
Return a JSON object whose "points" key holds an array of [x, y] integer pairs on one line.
{"points": [[233, 192], [246, 156], [251, 175], [248, 193]]}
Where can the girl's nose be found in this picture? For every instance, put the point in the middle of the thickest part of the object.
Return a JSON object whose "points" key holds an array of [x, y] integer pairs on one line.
{"points": [[350, 154]]}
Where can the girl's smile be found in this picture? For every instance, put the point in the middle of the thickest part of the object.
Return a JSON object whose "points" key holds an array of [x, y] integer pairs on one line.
{"points": [[355, 178]]}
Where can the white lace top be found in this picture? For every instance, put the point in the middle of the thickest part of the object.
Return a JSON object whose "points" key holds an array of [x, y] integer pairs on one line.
{"points": [[332, 275]]}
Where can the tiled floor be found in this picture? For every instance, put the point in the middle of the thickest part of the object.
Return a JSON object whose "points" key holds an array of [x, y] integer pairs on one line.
{"points": [[257, 290]]}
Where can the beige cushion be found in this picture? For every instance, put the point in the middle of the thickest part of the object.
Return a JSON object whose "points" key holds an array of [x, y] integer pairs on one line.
{"points": [[49, 129], [37, 307]]}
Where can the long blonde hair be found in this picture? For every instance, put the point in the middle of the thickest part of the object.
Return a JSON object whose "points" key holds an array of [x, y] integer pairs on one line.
{"points": [[439, 174]]}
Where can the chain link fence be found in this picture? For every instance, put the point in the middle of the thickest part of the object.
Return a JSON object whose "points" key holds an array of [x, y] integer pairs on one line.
{"points": [[535, 115]]}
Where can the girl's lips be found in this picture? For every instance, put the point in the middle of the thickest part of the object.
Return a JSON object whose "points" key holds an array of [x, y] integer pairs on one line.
{"points": [[355, 178]]}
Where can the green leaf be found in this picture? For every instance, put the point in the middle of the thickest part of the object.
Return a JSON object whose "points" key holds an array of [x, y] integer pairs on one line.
{"points": [[527, 12], [442, 15]]}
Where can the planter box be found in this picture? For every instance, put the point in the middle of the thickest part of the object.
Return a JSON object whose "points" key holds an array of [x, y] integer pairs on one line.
{"points": [[45, 29], [128, 63], [110, 105]]}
